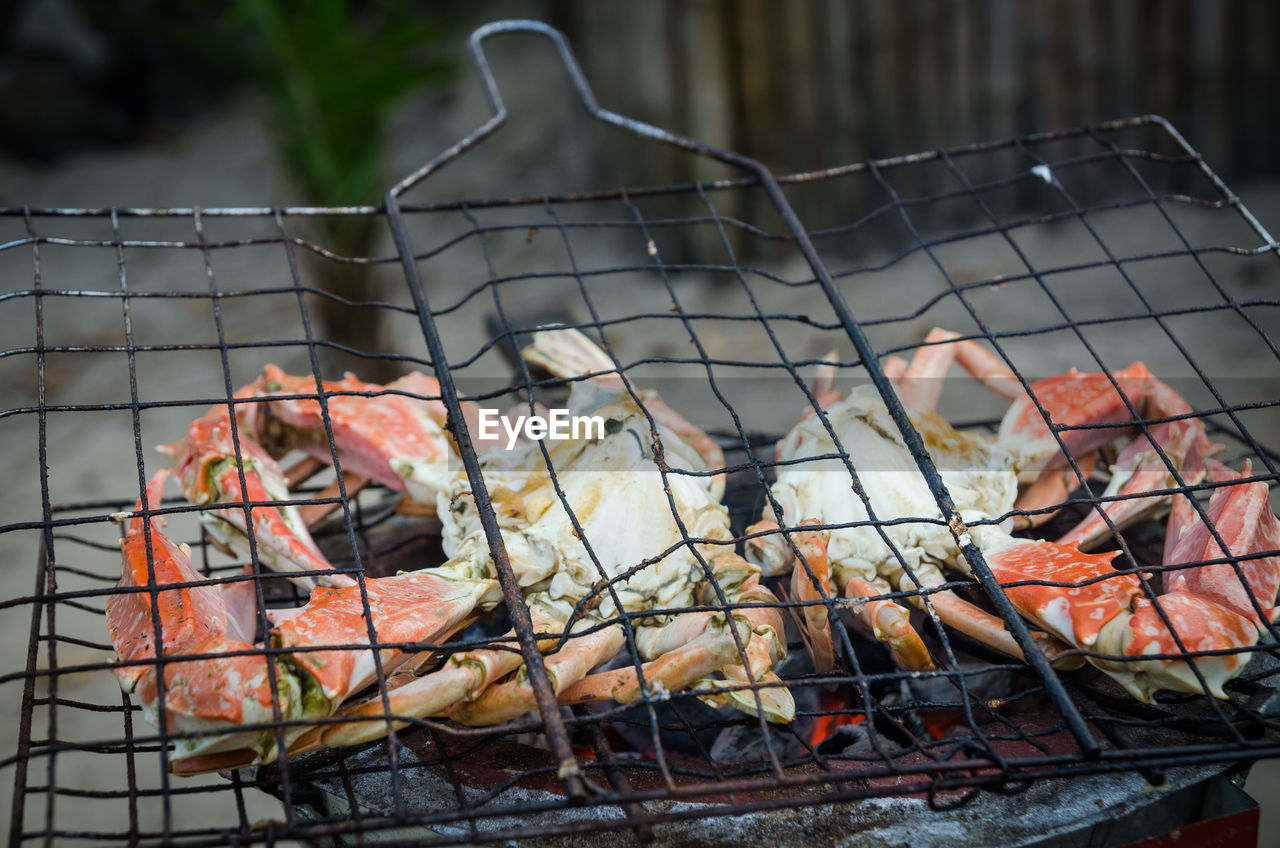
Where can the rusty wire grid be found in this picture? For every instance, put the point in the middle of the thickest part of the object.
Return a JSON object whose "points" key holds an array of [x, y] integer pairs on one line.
{"points": [[729, 344]]}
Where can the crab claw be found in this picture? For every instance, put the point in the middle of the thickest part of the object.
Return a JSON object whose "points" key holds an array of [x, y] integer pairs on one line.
{"points": [[1094, 607], [193, 621], [330, 660], [1242, 514], [1092, 593], [392, 434], [1139, 469], [888, 622], [1201, 625], [209, 467], [415, 606]]}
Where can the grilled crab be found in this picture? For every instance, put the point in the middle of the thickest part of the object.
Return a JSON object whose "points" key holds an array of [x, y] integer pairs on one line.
{"points": [[216, 688], [599, 539], [217, 691], [215, 683], [852, 553], [1091, 607]]}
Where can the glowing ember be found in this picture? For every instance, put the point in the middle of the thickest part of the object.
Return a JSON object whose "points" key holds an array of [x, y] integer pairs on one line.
{"points": [[940, 721], [826, 725]]}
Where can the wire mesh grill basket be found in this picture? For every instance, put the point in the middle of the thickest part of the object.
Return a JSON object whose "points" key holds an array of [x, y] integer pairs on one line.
{"points": [[1080, 228]]}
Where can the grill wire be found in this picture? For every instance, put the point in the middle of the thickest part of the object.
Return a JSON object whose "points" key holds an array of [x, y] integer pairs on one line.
{"points": [[1048, 725]]}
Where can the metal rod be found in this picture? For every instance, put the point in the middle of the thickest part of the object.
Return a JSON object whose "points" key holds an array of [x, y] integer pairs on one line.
{"points": [[544, 693]]}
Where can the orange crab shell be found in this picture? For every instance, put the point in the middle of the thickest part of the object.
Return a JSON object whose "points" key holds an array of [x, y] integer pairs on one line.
{"points": [[189, 615], [1074, 613], [1242, 515], [1075, 399], [205, 460], [403, 607], [1201, 625], [193, 621], [370, 429], [213, 689]]}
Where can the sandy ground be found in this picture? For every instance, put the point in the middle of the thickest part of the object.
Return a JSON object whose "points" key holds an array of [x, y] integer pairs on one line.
{"points": [[229, 162]]}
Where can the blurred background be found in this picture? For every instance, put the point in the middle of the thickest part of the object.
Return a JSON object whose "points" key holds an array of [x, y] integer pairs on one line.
{"points": [[799, 85], [327, 102], [146, 103]]}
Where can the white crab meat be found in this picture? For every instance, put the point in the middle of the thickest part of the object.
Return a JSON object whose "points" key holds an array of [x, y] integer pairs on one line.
{"points": [[979, 477], [620, 501]]}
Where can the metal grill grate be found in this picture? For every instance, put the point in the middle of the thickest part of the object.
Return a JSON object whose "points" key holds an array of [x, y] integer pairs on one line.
{"points": [[734, 344]]}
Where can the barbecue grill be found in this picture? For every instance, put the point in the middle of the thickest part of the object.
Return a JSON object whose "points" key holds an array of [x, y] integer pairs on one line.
{"points": [[732, 346]]}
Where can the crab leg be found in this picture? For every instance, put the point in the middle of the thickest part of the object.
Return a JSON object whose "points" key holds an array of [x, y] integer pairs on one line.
{"points": [[695, 645], [568, 353], [888, 622], [1078, 400], [920, 384], [689, 648], [410, 696], [566, 666], [1139, 469], [209, 468], [894, 367], [823, 383], [314, 513], [813, 584], [740, 580], [1041, 500]]}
